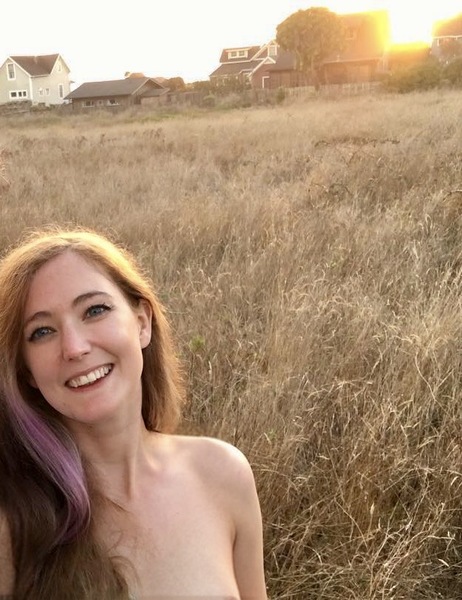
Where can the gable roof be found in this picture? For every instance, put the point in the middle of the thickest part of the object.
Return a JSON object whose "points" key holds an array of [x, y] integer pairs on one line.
{"points": [[116, 87], [284, 61], [36, 66]]}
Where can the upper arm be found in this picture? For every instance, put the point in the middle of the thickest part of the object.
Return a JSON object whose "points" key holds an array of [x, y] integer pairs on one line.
{"points": [[6, 560], [248, 545], [236, 479]]}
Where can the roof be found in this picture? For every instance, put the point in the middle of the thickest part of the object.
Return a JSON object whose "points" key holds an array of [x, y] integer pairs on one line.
{"points": [[116, 87], [284, 61], [235, 68], [448, 27], [36, 66]]}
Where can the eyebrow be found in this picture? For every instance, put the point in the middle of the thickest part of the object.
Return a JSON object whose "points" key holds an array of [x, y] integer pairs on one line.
{"points": [[41, 314]]}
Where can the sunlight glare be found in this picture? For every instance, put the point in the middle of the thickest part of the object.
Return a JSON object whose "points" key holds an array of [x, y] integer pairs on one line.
{"points": [[406, 26], [407, 23]]}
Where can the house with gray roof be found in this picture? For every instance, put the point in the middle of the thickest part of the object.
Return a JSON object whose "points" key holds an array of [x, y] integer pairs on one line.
{"points": [[38, 79], [363, 59], [118, 92], [241, 64]]}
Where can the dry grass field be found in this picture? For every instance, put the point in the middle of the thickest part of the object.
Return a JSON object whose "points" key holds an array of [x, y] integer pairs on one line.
{"points": [[310, 257]]}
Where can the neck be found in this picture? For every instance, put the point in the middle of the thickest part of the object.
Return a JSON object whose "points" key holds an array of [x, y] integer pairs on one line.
{"points": [[119, 457]]}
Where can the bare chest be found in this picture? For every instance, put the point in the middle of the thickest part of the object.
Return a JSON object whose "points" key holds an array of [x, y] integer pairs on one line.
{"points": [[177, 544]]}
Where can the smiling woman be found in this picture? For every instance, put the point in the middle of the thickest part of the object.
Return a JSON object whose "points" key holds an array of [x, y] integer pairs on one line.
{"points": [[99, 499]]}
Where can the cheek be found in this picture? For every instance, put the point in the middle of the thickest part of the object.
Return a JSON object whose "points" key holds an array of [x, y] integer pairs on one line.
{"points": [[35, 374], [38, 366], [31, 380], [25, 373]]}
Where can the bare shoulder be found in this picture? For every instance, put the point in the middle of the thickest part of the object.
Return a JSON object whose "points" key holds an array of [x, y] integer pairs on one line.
{"points": [[226, 474], [6, 559], [218, 461]]}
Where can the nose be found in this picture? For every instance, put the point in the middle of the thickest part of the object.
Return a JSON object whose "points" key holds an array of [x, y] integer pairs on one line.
{"points": [[74, 344]]}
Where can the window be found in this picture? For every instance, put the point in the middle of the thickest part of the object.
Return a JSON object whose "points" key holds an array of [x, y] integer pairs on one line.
{"points": [[237, 54], [18, 95], [112, 102], [88, 103], [11, 71], [60, 67], [61, 90], [47, 91], [40, 91], [272, 50]]}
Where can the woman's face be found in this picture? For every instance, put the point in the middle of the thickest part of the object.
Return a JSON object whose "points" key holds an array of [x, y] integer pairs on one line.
{"points": [[82, 341]]}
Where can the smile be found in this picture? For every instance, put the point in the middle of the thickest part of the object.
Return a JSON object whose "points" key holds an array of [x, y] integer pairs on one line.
{"points": [[90, 377]]}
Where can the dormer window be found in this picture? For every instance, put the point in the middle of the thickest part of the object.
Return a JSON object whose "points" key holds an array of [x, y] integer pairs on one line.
{"points": [[11, 71], [272, 50], [237, 53]]}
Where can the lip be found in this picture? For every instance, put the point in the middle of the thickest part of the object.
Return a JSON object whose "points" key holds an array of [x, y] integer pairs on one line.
{"points": [[86, 372]]}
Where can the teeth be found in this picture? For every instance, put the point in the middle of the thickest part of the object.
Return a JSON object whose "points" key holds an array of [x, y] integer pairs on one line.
{"points": [[89, 377]]}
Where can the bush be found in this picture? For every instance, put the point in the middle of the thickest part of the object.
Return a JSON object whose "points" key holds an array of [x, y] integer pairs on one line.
{"points": [[452, 72], [421, 77], [209, 101], [280, 95]]}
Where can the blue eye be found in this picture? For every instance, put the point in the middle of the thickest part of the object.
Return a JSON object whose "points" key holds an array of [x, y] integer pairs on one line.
{"points": [[96, 310], [39, 333]]}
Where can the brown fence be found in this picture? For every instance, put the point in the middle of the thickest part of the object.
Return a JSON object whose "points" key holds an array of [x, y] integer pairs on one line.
{"points": [[335, 89], [14, 108]]}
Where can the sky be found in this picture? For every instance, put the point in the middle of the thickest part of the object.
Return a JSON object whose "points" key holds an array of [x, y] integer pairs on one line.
{"points": [[101, 39]]}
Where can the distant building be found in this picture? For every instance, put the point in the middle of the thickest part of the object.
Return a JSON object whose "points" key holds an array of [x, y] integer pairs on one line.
{"points": [[118, 92], [39, 79], [365, 55], [363, 59]]}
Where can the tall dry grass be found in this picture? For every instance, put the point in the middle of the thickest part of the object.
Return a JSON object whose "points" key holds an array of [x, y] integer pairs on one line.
{"points": [[310, 257]]}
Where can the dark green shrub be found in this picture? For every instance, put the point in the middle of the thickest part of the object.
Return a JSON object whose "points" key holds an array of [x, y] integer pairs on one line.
{"points": [[280, 95], [452, 72], [209, 101], [424, 76]]}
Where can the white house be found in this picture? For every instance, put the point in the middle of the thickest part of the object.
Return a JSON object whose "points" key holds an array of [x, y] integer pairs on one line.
{"points": [[39, 79]]}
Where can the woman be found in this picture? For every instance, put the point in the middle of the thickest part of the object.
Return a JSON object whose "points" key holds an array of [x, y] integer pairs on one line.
{"points": [[98, 498]]}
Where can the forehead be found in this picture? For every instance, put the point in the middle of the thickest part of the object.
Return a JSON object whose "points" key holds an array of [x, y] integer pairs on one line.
{"points": [[65, 277]]}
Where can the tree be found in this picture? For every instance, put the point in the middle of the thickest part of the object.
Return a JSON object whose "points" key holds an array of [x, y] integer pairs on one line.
{"points": [[312, 35], [175, 84]]}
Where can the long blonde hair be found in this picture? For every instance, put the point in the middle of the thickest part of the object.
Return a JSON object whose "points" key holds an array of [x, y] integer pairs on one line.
{"points": [[45, 490]]}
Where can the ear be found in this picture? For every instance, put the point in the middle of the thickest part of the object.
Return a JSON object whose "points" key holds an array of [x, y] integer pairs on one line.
{"points": [[144, 317]]}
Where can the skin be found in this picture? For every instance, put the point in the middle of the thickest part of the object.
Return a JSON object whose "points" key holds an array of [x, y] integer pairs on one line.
{"points": [[191, 523]]}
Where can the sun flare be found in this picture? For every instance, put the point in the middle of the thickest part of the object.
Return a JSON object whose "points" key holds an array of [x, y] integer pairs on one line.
{"points": [[407, 23], [405, 27]]}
